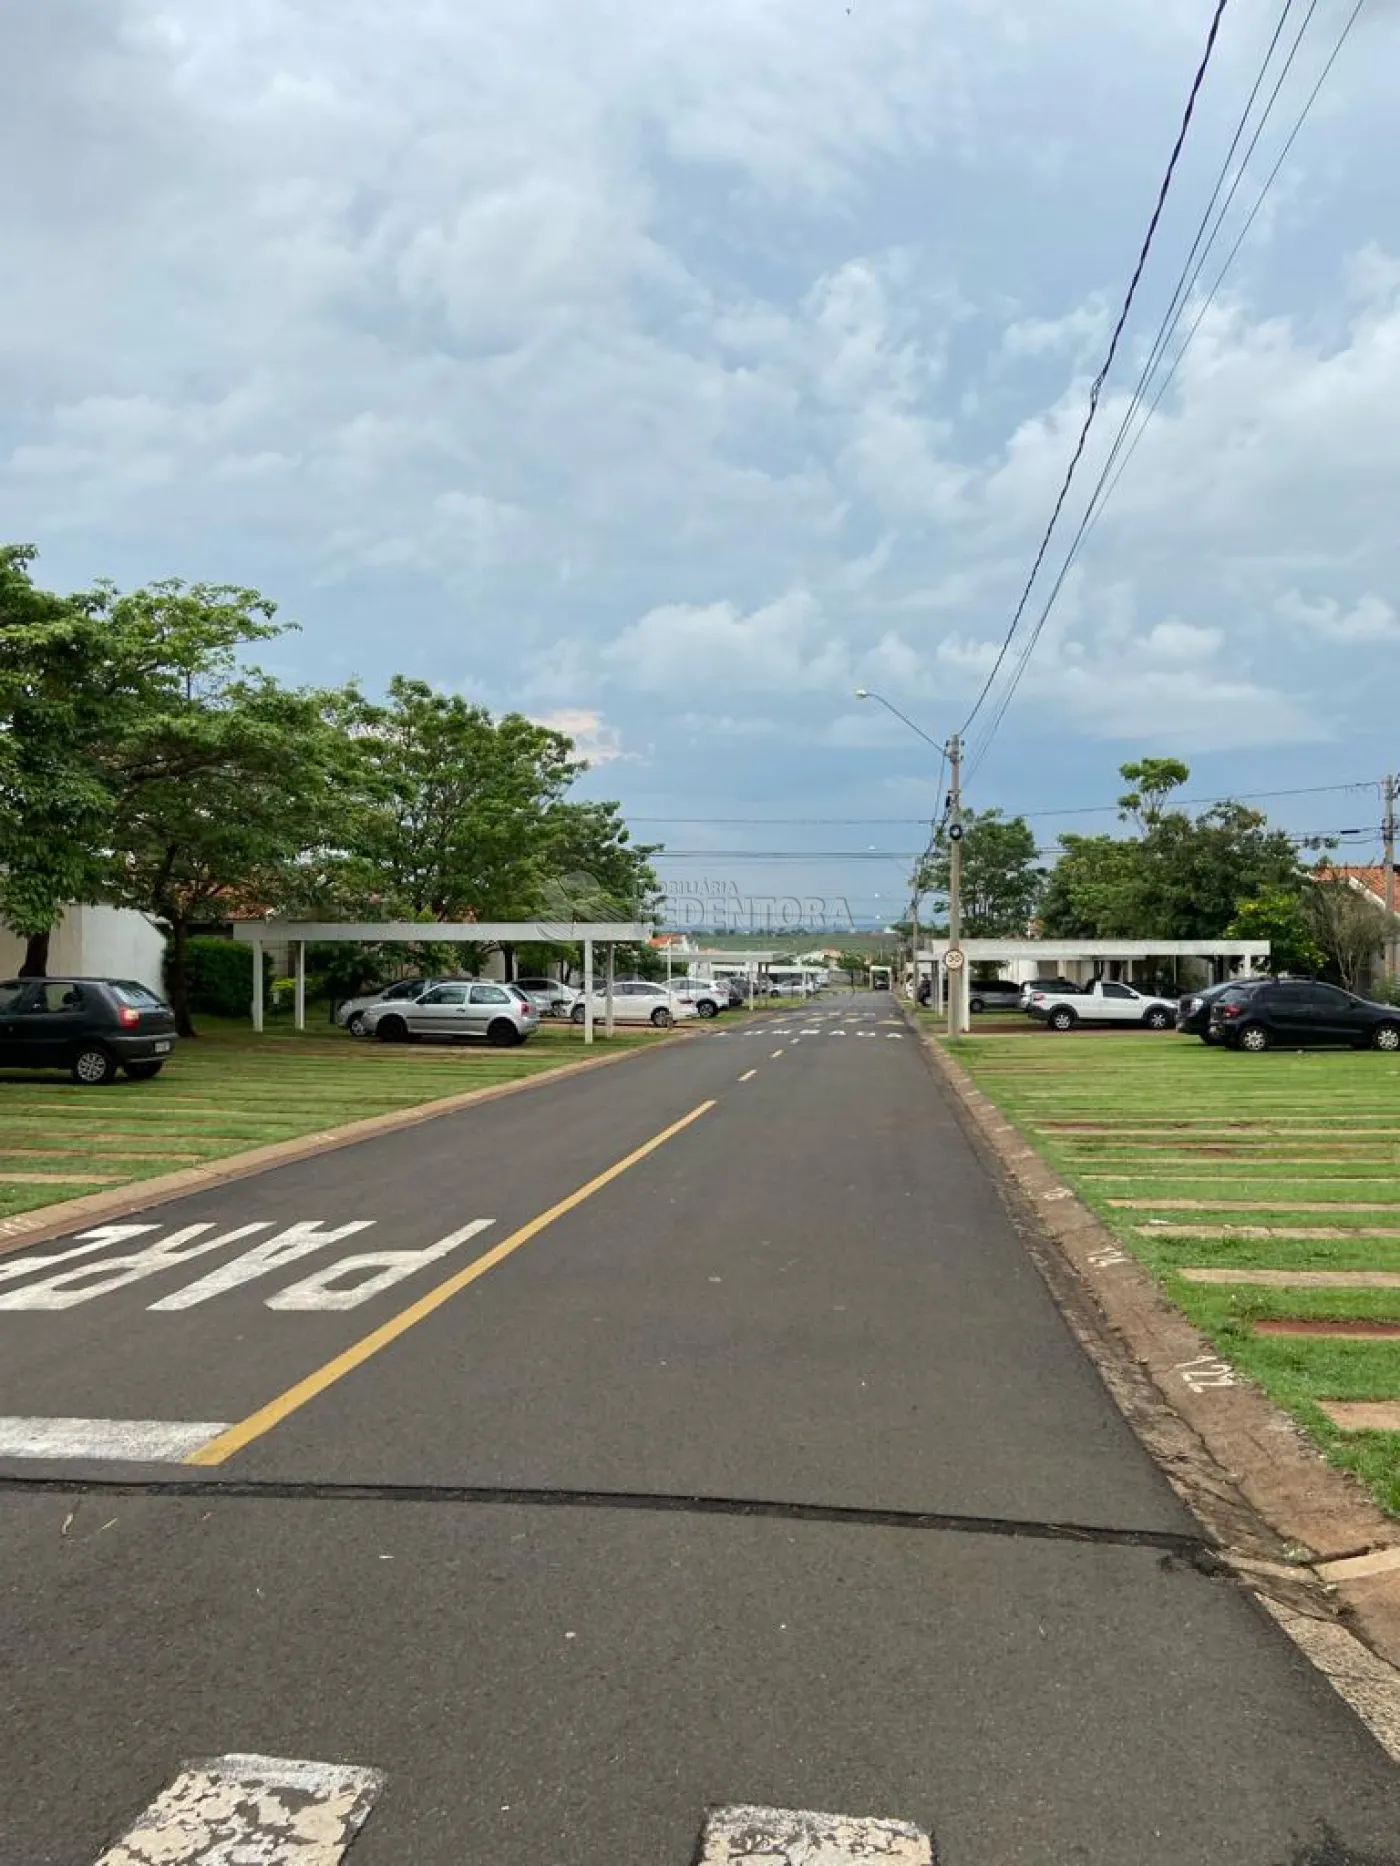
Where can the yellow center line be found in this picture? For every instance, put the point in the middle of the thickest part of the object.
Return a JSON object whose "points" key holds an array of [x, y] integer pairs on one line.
{"points": [[216, 1450], [748, 1075]]}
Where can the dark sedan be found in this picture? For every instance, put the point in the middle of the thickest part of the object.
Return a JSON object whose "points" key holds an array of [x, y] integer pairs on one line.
{"points": [[1290, 1015], [1193, 1011]]}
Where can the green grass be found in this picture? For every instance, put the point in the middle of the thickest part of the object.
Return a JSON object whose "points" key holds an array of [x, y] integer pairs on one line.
{"points": [[231, 1090], [1178, 1121]]}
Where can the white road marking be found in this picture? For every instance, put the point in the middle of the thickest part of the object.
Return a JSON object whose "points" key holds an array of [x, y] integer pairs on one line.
{"points": [[895, 1036], [748, 1075], [93, 1241], [836, 1033], [251, 1811], [138, 1441], [797, 1837], [320, 1291], [288, 1246], [776, 1054], [66, 1288]]}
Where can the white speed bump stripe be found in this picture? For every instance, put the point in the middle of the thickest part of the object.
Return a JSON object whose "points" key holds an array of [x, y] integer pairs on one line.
{"points": [[798, 1837], [258, 1809], [137, 1441]]}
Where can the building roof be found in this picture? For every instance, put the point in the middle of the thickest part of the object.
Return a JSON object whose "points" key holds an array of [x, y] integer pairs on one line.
{"points": [[1370, 877]]}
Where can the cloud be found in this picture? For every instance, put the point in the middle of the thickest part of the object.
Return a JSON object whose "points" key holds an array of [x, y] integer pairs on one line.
{"points": [[594, 738], [1370, 619]]}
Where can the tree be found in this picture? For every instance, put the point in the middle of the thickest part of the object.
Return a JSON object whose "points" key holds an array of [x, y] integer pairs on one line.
{"points": [[449, 818], [1093, 890], [853, 963], [1153, 781], [1349, 928], [225, 781], [60, 699], [1001, 882], [1280, 915], [1196, 872]]}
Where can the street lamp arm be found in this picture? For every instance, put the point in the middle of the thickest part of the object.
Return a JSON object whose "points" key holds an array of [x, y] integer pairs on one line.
{"points": [[864, 693]]}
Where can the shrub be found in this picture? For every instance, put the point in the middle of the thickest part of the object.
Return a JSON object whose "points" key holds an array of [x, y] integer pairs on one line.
{"points": [[220, 975]]}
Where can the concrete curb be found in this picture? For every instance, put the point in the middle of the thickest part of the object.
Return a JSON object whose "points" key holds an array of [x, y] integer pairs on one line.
{"points": [[1279, 1512], [51, 1221]]}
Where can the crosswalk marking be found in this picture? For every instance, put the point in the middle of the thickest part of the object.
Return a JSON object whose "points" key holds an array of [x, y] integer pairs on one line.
{"points": [[798, 1837], [137, 1441], [251, 1811]]}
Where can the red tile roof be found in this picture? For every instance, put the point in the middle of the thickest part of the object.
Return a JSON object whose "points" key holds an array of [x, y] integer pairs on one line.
{"points": [[1371, 877]]}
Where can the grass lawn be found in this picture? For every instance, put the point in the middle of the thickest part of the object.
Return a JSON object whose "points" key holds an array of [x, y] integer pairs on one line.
{"points": [[232, 1090], [1199, 1158]]}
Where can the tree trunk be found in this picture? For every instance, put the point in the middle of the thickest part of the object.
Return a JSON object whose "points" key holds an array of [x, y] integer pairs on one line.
{"points": [[180, 977], [508, 963], [36, 956]]}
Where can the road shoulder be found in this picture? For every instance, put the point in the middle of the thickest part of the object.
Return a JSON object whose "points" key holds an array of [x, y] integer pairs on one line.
{"points": [[1302, 1536]]}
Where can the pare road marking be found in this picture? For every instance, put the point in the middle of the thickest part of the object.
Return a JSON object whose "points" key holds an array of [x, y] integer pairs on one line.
{"points": [[799, 1837], [63, 1283]]}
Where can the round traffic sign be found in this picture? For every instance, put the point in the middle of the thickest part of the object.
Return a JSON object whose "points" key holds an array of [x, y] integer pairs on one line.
{"points": [[955, 959]]}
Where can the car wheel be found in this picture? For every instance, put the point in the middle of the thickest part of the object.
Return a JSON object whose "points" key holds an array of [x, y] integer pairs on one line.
{"points": [[578, 1014], [705, 1008], [93, 1066], [978, 1004], [1062, 1020], [144, 1072], [1253, 1038], [1209, 1036], [391, 1030], [355, 1024], [661, 1017], [1386, 1037], [503, 1033], [1157, 1020]]}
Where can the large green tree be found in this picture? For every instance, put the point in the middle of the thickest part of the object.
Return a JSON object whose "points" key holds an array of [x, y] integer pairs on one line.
{"points": [[63, 694], [1001, 877]]}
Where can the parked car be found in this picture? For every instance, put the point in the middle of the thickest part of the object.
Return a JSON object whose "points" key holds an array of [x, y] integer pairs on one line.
{"points": [[550, 996], [1104, 1002], [637, 1001], [1292, 1013], [993, 994], [502, 1014], [92, 1027], [351, 1015], [709, 996], [1194, 1009], [1060, 986]]}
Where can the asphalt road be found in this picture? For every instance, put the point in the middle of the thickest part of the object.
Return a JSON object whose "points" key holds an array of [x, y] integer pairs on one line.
{"points": [[507, 1553]]}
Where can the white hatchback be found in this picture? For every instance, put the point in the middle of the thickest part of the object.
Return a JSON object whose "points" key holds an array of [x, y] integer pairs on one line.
{"points": [[637, 1002]]}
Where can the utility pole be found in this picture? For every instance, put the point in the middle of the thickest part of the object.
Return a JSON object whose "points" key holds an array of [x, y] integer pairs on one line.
{"points": [[957, 976], [1391, 787]]}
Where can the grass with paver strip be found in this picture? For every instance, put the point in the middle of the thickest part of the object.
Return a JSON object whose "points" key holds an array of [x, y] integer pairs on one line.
{"points": [[230, 1091], [1289, 1140]]}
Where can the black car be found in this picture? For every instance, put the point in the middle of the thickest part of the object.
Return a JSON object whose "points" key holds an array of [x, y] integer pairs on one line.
{"points": [[1193, 1011], [89, 1026], [1290, 1013], [994, 994]]}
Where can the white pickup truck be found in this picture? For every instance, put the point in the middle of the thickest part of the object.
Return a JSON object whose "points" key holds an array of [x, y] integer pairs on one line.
{"points": [[1103, 1002]]}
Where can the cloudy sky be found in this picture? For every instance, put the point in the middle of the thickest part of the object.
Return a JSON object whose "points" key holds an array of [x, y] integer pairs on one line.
{"points": [[669, 370]]}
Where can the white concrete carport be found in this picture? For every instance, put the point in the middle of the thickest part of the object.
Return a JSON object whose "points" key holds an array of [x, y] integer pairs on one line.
{"points": [[299, 934], [1048, 954]]}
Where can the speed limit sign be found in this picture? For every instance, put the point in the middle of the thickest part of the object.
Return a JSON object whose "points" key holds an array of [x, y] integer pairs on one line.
{"points": [[955, 959]]}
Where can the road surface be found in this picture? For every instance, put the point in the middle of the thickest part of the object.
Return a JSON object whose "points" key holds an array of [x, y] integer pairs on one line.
{"points": [[690, 1433]]}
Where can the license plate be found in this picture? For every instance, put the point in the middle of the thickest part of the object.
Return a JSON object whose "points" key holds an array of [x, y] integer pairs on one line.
{"points": [[162, 1049]]}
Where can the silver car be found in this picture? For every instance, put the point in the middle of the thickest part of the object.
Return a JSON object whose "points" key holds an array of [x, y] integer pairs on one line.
{"points": [[351, 1015], [709, 996], [551, 998], [501, 1014], [636, 1001]]}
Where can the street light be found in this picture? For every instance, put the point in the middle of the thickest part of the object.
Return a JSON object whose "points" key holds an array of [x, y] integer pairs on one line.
{"points": [[953, 752]]}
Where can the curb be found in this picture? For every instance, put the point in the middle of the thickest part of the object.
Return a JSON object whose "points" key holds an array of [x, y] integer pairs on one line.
{"points": [[51, 1221], [1290, 1526]]}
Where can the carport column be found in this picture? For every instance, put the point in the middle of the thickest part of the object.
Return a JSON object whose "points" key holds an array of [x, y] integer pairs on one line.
{"points": [[608, 1022], [588, 991], [257, 984], [301, 985]]}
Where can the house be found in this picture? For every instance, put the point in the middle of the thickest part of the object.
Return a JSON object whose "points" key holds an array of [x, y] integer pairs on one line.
{"points": [[96, 942]]}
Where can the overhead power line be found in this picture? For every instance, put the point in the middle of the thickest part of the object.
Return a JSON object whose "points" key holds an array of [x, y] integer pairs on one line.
{"points": [[1096, 389], [1104, 487]]}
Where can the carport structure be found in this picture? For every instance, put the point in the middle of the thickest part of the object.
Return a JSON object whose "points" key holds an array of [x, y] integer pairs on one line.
{"points": [[299, 934], [1247, 955]]}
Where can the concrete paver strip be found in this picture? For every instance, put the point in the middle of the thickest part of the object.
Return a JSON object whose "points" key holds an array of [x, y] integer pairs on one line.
{"points": [[1247, 1205], [1363, 1415], [1262, 1233], [1297, 1279]]}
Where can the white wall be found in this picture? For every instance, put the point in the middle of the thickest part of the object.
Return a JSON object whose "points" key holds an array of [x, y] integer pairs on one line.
{"points": [[96, 942]]}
